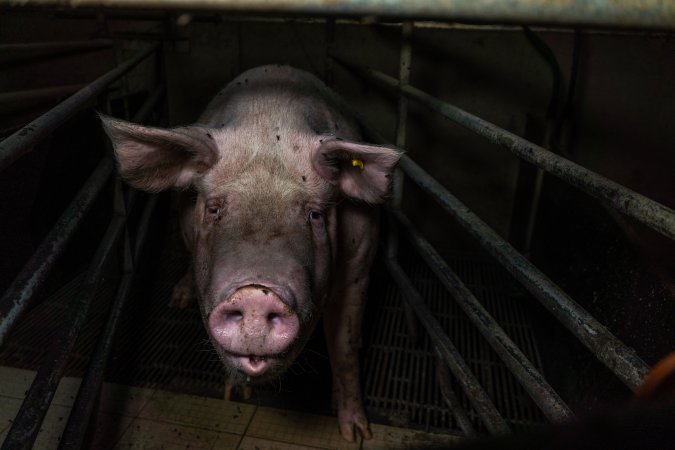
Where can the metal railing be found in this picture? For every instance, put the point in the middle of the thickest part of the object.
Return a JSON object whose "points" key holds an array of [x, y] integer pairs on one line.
{"points": [[618, 357], [607, 348], [18, 297]]}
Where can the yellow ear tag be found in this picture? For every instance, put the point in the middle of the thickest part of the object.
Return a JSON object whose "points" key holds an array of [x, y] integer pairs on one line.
{"points": [[357, 163]]}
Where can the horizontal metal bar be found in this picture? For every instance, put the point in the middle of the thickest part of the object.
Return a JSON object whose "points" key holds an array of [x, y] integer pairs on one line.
{"points": [[626, 13], [27, 284], [446, 350], [38, 94], [62, 45], [618, 357], [28, 420], [23, 140], [653, 214], [527, 375], [81, 412]]}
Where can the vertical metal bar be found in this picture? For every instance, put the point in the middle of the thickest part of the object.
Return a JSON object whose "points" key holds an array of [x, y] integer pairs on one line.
{"points": [[81, 412], [21, 142], [522, 369], [405, 61], [17, 299], [445, 349]]}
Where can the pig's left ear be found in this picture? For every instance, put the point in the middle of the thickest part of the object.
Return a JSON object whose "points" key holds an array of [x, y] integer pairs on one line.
{"points": [[362, 171]]}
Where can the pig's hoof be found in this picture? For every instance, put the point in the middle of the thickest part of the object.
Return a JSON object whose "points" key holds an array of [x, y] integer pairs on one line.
{"points": [[183, 293], [356, 421], [232, 388]]}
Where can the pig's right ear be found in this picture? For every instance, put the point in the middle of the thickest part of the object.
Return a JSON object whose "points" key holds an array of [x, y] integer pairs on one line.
{"points": [[154, 159]]}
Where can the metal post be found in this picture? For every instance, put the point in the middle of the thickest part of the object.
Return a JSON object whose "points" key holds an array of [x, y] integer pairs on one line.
{"points": [[38, 94], [527, 375], [443, 376], [23, 140], [446, 350], [651, 213]]}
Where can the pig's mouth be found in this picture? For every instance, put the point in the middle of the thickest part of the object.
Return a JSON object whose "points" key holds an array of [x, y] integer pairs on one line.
{"points": [[255, 332]]}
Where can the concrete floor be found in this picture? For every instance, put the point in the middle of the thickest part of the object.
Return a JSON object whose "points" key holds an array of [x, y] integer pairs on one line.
{"points": [[138, 418]]}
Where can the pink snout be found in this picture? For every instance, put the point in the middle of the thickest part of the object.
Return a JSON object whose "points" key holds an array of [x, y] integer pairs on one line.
{"points": [[253, 326]]}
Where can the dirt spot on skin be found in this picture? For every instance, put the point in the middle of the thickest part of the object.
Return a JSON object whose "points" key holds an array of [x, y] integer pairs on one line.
{"points": [[304, 178], [278, 137], [265, 291], [209, 135]]}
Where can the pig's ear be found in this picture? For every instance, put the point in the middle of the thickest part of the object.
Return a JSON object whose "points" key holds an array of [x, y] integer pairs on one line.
{"points": [[362, 171], [154, 159]]}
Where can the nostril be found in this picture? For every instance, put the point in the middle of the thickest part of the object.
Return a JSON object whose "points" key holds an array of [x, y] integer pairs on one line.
{"points": [[233, 316], [274, 318]]}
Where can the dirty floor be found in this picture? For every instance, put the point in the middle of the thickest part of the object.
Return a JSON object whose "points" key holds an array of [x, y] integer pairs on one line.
{"points": [[140, 418]]}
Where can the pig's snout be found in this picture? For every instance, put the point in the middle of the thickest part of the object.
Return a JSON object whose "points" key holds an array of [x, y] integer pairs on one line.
{"points": [[254, 326]]}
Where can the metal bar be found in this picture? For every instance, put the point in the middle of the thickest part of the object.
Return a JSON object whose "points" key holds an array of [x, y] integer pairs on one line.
{"points": [[63, 45], [23, 140], [446, 350], [27, 284], [527, 375], [83, 408], [450, 398], [28, 420], [81, 412], [38, 94], [651, 213], [626, 13], [619, 358]]}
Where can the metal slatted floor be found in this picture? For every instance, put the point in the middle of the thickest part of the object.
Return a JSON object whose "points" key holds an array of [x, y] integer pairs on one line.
{"points": [[164, 348]]}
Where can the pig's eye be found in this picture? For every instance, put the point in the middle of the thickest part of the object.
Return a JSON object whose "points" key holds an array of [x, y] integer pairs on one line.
{"points": [[314, 216], [213, 210]]}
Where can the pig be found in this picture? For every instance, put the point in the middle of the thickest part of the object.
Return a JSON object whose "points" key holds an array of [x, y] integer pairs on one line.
{"points": [[282, 225]]}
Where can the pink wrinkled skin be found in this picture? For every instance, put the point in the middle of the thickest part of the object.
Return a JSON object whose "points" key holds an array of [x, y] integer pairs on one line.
{"points": [[278, 212]]}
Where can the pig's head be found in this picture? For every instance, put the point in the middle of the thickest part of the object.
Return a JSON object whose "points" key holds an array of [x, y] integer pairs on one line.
{"points": [[264, 225]]}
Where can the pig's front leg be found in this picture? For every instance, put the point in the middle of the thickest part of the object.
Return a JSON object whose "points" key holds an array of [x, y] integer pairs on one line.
{"points": [[184, 292], [342, 324]]}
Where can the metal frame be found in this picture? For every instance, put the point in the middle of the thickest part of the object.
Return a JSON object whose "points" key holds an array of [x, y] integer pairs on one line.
{"points": [[618, 357], [21, 293], [606, 347], [657, 14]]}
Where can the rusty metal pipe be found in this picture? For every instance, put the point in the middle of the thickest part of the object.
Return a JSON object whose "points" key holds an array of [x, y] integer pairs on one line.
{"points": [[447, 351], [62, 45], [653, 214], [23, 140], [659, 14], [527, 375], [618, 357]]}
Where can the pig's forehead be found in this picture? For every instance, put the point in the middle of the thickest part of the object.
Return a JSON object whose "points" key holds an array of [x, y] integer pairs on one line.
{"points": [[249, 162]]}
